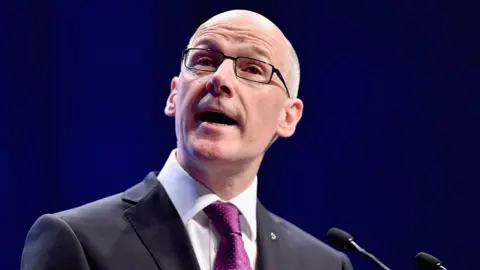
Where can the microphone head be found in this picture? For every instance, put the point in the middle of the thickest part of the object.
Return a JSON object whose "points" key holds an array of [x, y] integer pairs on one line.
{"points": [[425, 261], [339, 239]]}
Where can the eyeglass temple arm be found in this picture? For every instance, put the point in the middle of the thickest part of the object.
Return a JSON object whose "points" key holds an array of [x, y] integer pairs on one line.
{"points": [[283, 80]]}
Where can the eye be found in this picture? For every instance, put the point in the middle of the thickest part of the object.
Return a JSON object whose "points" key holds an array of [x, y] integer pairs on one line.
{"points": [[204, 61], [253, 70]]}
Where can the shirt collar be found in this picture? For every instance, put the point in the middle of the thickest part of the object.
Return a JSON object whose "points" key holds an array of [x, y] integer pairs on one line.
{"points": [[190, 197]]}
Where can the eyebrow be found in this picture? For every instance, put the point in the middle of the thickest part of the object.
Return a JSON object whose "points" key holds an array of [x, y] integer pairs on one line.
{"points": [[257, 51], [213, 45]]}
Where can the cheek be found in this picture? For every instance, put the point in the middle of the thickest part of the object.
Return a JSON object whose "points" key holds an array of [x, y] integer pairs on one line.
{"points": [[266, 114], [185, 92], [190, 80], [189, 87], [188, 91], [182, 106]]}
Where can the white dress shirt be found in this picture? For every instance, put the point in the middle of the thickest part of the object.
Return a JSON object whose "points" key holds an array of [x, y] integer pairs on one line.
{"points": [[190, 198]]}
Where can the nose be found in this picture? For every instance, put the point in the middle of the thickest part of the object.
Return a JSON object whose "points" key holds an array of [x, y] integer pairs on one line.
{"points": [[221, 82]]}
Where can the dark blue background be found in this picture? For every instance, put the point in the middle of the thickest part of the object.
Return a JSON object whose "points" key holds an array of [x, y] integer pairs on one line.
{"points": [[387, 149]]}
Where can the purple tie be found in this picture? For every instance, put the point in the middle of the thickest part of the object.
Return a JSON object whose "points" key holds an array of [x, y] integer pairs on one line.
{"points": [[231, 253]]}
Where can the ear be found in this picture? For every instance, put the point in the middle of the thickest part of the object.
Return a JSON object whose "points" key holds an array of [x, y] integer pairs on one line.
{"points": [[170, 106], [293, 110]]}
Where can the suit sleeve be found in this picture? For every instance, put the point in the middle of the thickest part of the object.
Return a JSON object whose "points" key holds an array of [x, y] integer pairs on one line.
{"points": [[52, 244]]}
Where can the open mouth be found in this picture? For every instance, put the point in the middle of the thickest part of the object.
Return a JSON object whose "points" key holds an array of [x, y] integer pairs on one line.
{"points": [[216, 118]]}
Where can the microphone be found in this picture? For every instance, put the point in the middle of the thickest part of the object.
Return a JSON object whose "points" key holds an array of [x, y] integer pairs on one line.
{"points": [[425, 261], [343, 240]]}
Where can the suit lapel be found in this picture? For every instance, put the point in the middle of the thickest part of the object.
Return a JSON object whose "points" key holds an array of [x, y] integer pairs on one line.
{"points": [[274, 251], [160, 228]]}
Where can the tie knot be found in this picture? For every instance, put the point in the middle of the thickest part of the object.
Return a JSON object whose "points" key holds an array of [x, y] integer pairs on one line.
{"points": [[224, 216]]}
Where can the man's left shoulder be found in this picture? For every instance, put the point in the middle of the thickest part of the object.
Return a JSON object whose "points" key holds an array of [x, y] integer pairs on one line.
{"points": [[311, 248]]}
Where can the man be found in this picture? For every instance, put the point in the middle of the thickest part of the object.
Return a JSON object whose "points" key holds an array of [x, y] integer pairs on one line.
{"points": [[235, 94]]}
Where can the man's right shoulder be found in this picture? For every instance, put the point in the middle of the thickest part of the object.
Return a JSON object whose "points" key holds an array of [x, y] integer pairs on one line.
{"points": [[102, 211], [59, 240], [104, 216]]}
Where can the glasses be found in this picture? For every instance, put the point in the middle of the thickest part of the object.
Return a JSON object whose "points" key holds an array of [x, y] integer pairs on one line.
{"points": [[245, 67]]}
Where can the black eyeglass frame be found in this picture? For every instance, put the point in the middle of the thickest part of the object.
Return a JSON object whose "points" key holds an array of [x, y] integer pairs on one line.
{"points": [[274, 69]]}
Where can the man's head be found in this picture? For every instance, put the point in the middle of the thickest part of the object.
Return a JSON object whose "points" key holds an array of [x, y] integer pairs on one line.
{"points": [[229, 110]]}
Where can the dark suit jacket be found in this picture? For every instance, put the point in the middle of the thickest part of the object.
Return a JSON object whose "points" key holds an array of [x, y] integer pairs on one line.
{"points": [[140, 229]]}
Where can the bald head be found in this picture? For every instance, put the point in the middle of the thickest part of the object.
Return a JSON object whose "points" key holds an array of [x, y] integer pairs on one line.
{"points": [[241, 19], [242, 15]]}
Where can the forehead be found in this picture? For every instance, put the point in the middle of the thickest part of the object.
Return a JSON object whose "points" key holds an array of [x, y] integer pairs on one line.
{"points": [[242, 37]]}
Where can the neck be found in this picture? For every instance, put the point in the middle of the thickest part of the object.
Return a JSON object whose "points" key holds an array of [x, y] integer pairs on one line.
{"points": [[225, 180]]}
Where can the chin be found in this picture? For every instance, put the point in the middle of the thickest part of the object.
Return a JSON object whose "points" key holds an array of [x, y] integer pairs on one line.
{"points": [[213, 150]]}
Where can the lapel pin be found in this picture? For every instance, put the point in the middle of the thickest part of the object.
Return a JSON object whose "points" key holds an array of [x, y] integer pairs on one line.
{"points": [[273, 236]]}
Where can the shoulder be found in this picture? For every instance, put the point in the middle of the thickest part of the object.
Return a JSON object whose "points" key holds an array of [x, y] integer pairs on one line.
{"points": [[310, 248], [103, 218], [299, 236], [102, 212], [103, 209], [94, 220], [55, 241], [100, 219]]}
